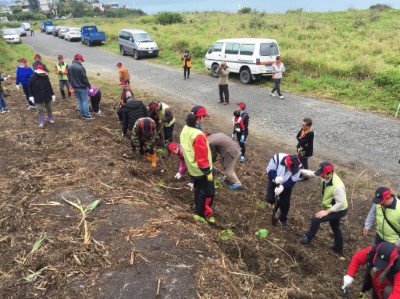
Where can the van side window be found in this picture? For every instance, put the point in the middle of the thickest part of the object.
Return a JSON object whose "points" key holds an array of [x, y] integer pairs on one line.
{"points": [[217, 47], [232, 48], [121, 35], [247, 49], [270, 49]]}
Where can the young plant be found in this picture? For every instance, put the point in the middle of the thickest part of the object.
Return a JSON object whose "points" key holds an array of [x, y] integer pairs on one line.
{"points": [[262, 233], [226, 234]]}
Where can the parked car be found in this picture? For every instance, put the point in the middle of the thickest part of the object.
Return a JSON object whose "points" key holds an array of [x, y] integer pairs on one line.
{"points": [[11, 36], [49, 29], [91, 35], [21, 31], [62, 31], [137, 43], [72, 34], [44, 25], [26, 26], [249, 57], [56, 30]]}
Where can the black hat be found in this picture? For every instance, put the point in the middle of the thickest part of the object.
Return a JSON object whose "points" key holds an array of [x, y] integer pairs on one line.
{"points": [[324, 168], [293, 163], [386, 254], [381, 194]]}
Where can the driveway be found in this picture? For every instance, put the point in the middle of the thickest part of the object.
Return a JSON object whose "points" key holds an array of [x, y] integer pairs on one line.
{"points": [[343, 134]]}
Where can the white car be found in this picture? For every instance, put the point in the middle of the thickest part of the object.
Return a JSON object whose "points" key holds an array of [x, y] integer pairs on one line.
{"points": [[61, 33], [26, 26], [72, 34], [49, 29], [21, 30], [11, 36]]}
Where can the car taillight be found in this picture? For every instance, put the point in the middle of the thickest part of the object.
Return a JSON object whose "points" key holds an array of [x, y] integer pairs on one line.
{"points": [[258, 61]]}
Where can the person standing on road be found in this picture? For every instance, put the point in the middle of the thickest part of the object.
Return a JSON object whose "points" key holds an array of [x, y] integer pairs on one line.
{"points": [[305, 144], [126, 93], [80, 83], [186, 64], [123, 74], [241, 121], [23, 76], [279, 69], [32, 31], [61, 69], [94, 94], [38, 61], [382, 274], [223, 74], [165, 118], [41, 93], [385, 211], [229, 153], [197, 153], [3, 104], [334, 203], [283, 173]]}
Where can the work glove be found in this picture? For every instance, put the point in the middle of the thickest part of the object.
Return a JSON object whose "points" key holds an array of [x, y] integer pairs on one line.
{"points": [[209, 177], [53, 98], [178, 176], [32, 99], [278, 180], [232, 136], [362, 295], [190, 185], [242, 139], [17, 87], [279, 190], [307, 173], [91, 90], [347, 281]]}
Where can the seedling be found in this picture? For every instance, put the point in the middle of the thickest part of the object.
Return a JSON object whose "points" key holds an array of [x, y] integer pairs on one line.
{"points": [[226, 234], [218, 184], [199, 219], [261, 204], [161, 183], [38, 243], [262, 233], [162, 152]]}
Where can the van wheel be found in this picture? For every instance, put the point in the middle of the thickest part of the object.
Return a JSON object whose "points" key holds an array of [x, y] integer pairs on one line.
{"points": [[121, 49], [245, 76], [214, 70], [135, 55]]}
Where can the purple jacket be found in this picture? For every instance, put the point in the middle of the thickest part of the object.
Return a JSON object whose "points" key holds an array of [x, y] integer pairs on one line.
{"points": [[182, 164], [95, 90]]}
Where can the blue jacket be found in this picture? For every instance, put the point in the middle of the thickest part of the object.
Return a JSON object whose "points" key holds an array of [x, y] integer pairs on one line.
{"points": [[23, 75]]}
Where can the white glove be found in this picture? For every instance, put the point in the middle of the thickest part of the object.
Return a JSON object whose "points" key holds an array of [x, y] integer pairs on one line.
{"points": [[178, 176], [191, 185], [17, 87], [307, 173], [278, 180], [32, 100], [91, 90], [347, 281], [279, 190], [53, 98]]}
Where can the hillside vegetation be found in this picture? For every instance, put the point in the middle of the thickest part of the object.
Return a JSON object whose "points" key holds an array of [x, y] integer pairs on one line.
{"points": [[350, 57]]}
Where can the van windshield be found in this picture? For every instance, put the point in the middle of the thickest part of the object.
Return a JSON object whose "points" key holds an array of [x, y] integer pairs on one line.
{"points": [[269, 49], [142, 37]]}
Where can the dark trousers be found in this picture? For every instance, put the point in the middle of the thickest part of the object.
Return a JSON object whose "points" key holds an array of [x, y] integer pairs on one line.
{"points": [[168, 131], [334, 221], [204, 192], [378, 239], [304, 162], [186, 70], [277, 86], [241, 144], [223, 92], [95, 100], [284, 200], [26, 92]]}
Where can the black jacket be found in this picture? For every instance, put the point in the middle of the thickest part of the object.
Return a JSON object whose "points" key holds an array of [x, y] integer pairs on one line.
{"points": [[305, 146], [40, 88], [77, 76], [130, 112]]}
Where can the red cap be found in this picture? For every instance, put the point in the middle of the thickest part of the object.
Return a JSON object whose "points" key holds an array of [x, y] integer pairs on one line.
{"points": [[381, 195], [40, 69], [324, 168], [79, 56], [123, 83], [23, 60], [292, 162], [199, 111], [119, 64], [153, 106], [171, 147], [37, 56], [241, 105]]}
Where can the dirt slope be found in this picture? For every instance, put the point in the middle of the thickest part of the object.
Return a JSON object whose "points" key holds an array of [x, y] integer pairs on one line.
{"points": [[143, 238]]}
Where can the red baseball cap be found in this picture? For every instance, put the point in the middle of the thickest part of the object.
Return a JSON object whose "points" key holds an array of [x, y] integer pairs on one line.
{"points": [[241, 105], [40, 69], [324, 168], [292, 163], [172, 146], [23, 60], [381, 195], [79, 56], [199, 111], [153, 106]]}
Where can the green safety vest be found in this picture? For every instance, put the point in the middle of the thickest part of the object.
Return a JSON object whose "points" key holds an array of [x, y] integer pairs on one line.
{"points": [[161, 114], [327, 196], [61, 69], [383, 229], [188, 135]]}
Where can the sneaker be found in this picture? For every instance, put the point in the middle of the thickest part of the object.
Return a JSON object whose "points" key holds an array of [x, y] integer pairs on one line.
{"points": [[98, 112], [284, 224], [4, 110], [30, 107], [236, 187], [271, 94], [51, 121], [226, 103], [242, 159], [281, 97], [90, 117], [41, 125], [304, 240], [335, 249]]}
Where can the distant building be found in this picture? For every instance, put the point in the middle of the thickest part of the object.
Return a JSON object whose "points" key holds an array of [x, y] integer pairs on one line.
{"points": [[46, 5]]}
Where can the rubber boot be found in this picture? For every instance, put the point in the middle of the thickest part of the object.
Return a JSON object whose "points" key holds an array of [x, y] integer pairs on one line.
{"points": [[147, 156], [41, 121], [50, 118], [208, 212], [62, 94], [153, 159]]}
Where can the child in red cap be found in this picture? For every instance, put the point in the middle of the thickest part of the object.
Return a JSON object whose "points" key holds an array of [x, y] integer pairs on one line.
{"points": [[243, 122]]}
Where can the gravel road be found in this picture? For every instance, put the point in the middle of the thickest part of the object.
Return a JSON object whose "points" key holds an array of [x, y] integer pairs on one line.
{"points": [[344, 134]]}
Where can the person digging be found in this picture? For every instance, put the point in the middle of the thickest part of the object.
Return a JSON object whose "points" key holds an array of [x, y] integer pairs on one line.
{"points": [[144, 137]]}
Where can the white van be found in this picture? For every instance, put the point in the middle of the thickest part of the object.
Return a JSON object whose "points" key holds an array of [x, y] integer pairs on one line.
{"points": [[249, 57], [137, 43]]}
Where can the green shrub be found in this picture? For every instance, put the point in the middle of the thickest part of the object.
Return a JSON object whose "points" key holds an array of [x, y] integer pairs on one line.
{"points": [[179, 46], [380, 7], [146, 20], [244, 10], [168, 18], [389, 80], [197, 51], [298, 10], [256, 23]]}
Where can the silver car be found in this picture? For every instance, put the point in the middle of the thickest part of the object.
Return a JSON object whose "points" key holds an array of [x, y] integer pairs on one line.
{"points": [[11, 36], [21, 31]]}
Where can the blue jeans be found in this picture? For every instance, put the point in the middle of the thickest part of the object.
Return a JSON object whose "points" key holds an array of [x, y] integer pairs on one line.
{"points": [[82, 100], [3, 105]]}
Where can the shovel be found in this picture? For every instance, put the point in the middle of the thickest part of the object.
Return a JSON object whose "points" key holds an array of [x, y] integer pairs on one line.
{"points": [[274, 219]]}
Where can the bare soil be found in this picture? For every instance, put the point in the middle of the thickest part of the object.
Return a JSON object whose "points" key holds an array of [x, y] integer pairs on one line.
{"points": [[144, 240]]}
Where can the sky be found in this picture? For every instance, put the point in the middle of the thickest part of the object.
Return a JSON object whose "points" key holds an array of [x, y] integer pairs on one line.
{"points": [[268, 6]]}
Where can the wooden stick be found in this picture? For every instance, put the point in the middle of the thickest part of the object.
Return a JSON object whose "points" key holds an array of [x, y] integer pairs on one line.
{"points": [[158, 287]]}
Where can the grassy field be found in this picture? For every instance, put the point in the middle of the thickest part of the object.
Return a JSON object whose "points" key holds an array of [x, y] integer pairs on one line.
{"points": [[350, 57]]}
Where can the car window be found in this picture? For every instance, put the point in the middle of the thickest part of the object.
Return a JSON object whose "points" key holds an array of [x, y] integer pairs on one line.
{"points": [[76, 30], [217, 47], [247, 49], [232, 48], [269, 49], [142, 37]]}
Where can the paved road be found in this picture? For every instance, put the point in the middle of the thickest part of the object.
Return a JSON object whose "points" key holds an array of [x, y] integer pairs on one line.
{"points": [[343, 134]]}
